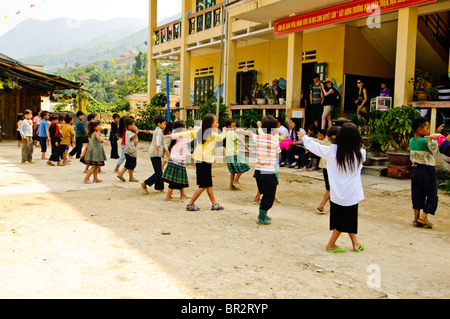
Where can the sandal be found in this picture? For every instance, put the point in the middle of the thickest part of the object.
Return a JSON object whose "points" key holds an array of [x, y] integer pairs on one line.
{"points": [[337, 250], [217, 207], [359, 249], [192, 208], [425, 222]]}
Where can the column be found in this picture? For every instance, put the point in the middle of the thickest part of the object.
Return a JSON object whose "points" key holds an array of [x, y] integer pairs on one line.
{"points": [[230, 85], [406, 56], [294, 70], [185, 59], [151, 83]]}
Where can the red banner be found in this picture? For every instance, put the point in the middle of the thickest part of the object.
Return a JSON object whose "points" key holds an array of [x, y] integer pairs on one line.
{"points": [[346, 11]]}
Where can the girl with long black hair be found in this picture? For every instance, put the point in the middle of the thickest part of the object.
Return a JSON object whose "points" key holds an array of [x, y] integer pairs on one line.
{"points": [[344, 164]]}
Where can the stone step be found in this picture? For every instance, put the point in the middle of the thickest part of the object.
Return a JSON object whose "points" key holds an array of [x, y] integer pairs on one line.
{"points": [[373, 170], [377, 161]]}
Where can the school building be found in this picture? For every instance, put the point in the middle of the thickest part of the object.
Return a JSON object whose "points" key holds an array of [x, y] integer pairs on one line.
{"points": [[226, 46]]}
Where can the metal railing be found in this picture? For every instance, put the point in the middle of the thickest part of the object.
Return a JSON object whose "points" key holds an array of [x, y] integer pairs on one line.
{"points": [[168, 32], [206, 19], [439, 28]]}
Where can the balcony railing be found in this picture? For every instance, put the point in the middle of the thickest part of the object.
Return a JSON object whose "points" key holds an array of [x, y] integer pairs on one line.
{"points": [[206, 19], [202, 20], [168, 32]]}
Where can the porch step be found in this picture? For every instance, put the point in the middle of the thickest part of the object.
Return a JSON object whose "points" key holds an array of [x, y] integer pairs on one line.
{"points": [[378, 161], [375, 170]]}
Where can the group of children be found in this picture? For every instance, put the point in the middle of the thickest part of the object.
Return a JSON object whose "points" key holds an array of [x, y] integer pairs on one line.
{"points": [[338, 152], [53, 129]]}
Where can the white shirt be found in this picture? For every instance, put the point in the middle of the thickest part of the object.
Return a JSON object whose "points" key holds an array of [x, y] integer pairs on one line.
{"points": [[283, 130], [26, 128], [345, 186], [267, 148]]}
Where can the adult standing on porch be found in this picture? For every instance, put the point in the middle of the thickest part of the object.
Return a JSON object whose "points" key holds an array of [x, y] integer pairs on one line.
{"points": [[316, 97]]}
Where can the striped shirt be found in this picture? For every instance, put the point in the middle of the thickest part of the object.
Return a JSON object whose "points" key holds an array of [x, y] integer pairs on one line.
{"points": [[444, 92], [422, 152], [267, 149]]}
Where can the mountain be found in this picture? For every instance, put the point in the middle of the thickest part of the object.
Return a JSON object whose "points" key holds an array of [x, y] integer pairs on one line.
{"points": [[90, 42], [34, 37]]}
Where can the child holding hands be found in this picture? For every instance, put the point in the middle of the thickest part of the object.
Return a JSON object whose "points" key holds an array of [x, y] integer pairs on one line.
{"points": [[344, 164], [95, 155], [130, 150]]}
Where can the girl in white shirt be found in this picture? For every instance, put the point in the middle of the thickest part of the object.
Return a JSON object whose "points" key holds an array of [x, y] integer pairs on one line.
{"points": [[344, 164]]}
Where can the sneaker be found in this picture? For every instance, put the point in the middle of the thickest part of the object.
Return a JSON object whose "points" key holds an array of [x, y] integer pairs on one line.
{"points": [[264, 222], [192, 208]]}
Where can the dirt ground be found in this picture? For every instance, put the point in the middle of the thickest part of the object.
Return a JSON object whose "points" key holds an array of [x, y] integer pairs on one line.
{"points": [[60, 238]]}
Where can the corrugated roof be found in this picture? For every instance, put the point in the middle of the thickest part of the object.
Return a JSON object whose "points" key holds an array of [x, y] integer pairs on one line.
{"points": [[33, 78]]}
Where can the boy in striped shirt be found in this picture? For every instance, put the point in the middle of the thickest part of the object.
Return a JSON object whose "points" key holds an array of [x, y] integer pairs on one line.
{"points": [[267, 153], [423, 178]]}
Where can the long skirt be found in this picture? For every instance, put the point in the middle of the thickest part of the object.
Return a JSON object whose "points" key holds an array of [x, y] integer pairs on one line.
{"points": [[175, 175], [236, 164]]}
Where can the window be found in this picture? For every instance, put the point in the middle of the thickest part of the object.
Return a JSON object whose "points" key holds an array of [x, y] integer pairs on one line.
{"points": [[246, 64], [309, 55], [203, 88], [203, 4], [204, 71]]}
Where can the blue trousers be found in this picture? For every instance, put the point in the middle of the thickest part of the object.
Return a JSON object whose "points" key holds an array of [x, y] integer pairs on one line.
{"points": [[156, 178], [424, 188]]}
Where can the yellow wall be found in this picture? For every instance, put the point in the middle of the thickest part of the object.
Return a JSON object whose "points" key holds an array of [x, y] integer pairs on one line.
{"points": [[341, 47], [361, 58]]}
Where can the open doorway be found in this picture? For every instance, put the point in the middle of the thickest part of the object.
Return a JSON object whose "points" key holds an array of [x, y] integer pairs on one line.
{"points": [[307, 73], [244, 85]]}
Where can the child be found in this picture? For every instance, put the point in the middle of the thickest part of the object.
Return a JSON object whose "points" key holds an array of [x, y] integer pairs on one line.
{"points": [[175, 173], [327, 138], [267, 150], [157, 150], [95, 155], [167, 142], [80, 133], [20, 118], [344, 164], [236, 164], [68, 136], [113, 136], [26, 134], [207, 137], [43, 133], [443, 140], [312, 132], [55, 139], [36, 121], [121, 134], [130, 150], [91, 117], [423, 178]]}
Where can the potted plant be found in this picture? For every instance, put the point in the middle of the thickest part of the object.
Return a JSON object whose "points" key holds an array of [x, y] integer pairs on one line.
{"points": [[393, 132], [432, 93], [268, 91], [422, 82], [257, 94], [246, 100]]}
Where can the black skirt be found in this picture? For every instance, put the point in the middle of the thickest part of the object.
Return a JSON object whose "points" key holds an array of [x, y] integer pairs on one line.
{"points": [[204, 174], [344, 218]]}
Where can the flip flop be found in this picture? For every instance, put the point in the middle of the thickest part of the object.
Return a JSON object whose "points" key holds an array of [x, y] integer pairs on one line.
{"points": [[121, 178], [359, 249], [338, 250], [425, 222]]}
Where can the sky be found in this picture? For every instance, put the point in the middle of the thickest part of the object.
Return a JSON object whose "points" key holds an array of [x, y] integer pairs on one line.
{"points": [[80, 10]]}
